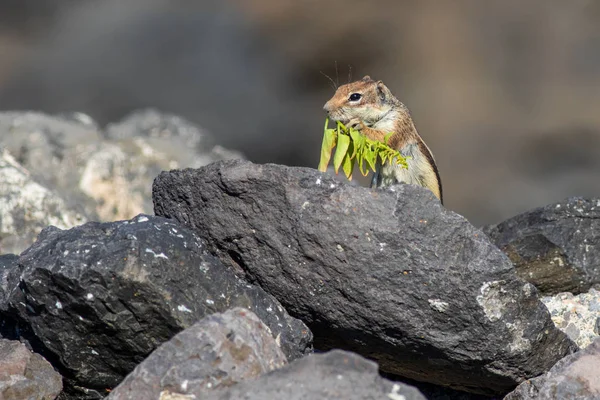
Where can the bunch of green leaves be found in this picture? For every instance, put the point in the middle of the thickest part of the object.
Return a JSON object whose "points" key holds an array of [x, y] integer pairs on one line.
{"points": [[351, 148]]}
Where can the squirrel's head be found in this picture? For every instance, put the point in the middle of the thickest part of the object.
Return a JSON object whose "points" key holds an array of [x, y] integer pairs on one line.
{"points": [[365, 99]]}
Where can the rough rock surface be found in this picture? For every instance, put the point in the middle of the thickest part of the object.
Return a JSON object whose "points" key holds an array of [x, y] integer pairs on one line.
{"points": [[26, 207], [390, 274], [7, 263], [577, 316], [575, 377], [220, 350], [25, 375], [105, 175], [99, 298], [333, 375], [556, 247]]}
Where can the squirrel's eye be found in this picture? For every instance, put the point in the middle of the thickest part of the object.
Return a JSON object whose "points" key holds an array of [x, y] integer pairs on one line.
{"points": [[355, 97]]}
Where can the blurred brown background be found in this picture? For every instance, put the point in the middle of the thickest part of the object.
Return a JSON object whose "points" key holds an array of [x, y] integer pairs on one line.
{"points": [[505, 92]]}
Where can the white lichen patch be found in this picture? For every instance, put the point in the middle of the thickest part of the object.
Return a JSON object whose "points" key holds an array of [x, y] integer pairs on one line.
{"points": [[160, 255], [168, 395], [559, 260], [438, 305], [528, 289], [142, 218], [490, 300], [318, 182], [394, 395], [183, 308], [89, 296], [519, 344], [58, 305], [209, 301]]}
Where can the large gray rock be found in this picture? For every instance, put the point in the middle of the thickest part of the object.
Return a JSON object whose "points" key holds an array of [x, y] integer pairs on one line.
{"points": [[118, 174], [99, 298], [105, 175], [576, 377], [53, 150], [220, 350], [334, 375], [26, 207], [25, 375], [389, 274], [556, 247]]}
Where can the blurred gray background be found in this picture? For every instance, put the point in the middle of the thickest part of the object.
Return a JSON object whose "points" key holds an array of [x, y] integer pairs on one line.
{"points": [[506, 93]]}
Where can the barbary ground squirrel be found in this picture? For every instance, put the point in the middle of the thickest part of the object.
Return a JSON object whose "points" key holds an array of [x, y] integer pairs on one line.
{"points": [[370, 107]]}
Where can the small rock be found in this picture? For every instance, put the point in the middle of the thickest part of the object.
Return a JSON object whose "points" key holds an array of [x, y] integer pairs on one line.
{"points": [[220, 350], [577, 316], [556, 247], [25, 375], [389, 274], [574, 377], [99, 298], [334, 375]]}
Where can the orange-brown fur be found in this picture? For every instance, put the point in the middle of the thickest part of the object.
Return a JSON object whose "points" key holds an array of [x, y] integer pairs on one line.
{"points": [[378, 113]]}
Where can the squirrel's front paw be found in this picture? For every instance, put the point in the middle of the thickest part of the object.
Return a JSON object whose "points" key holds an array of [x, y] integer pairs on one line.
{"points": [[355, 123]]}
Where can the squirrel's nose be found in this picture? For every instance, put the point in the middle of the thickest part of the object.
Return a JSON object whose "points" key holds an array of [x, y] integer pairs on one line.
{"points": [[327, 107]]}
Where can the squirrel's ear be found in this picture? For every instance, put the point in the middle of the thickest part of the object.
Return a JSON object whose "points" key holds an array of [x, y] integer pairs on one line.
{"points": [[366, 78], [382, 91]]}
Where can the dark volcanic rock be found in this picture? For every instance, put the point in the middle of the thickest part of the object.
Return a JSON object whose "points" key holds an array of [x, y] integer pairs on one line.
{"points": [[25, 375], [220, 350], [557, 247], [97, 299], [8, 262], [575, 377], [389, 274], [334, 375]]}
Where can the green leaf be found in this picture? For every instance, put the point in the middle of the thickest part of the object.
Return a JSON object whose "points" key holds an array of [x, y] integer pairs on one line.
{"points": [[329, 137], [348, 166], [355, 148], [370, 157], [343, 142], [357, 141], [383, 155]]}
